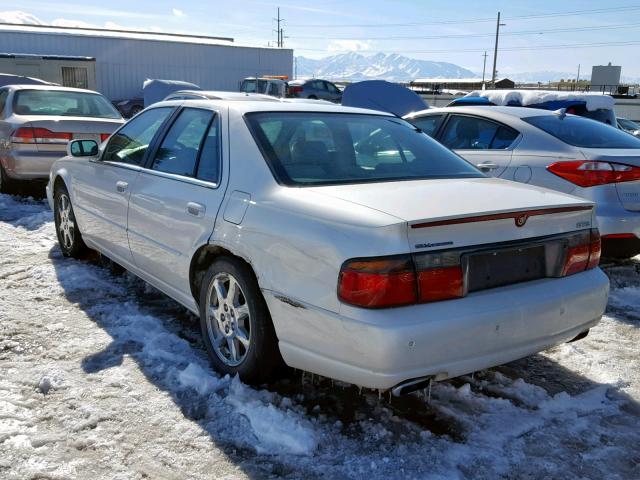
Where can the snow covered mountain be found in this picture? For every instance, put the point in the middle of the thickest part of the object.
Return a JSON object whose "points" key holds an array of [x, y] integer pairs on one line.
{"points": [[393, 67]]}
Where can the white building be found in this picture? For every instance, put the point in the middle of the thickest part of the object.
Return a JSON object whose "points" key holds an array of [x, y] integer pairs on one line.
{"points": [[124, 59]]}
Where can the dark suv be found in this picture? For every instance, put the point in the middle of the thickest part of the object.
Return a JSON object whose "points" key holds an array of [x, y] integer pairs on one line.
{"points": [[315, 89]]}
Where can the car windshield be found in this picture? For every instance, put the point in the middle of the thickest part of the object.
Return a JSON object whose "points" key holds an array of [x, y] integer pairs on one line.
{"points": [[309, 148], [63, 103], [628, 124], [583, 132]]}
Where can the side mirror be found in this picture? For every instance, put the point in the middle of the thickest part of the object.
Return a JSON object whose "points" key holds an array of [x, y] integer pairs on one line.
{"points": [[82, 148]]}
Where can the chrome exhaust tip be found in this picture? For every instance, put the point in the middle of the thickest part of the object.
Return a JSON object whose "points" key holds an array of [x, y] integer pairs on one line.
{"points": [[410, 386]]}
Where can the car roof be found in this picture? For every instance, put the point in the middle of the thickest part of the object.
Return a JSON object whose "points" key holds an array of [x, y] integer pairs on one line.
{"points": [[51, 87], [495, 112], [277, 106], [222, 95]]}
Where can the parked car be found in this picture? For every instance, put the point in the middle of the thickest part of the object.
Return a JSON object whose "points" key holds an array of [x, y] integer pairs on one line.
{"points": [[37, 122], [629, 126], [219, 95], [315, 89], [591, 105], [568, 153], [275, 87], [295, 238], [129, 108]]}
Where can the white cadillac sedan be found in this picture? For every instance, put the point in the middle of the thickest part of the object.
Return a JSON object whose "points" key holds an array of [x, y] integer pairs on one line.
{"points": [[296, 238], [568, 153]]}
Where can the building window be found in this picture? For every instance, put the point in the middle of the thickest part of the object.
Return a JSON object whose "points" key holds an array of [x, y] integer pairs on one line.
{"points": [[76, 77]]}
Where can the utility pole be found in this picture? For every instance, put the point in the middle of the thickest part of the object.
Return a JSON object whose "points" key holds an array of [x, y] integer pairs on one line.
{"points": [[484, 67], [279, 30], [495, 52], [578, 76]]}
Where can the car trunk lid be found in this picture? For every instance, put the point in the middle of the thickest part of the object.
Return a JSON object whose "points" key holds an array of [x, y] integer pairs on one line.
{"points": [[453, 213], [628, 192], [52, 135]]}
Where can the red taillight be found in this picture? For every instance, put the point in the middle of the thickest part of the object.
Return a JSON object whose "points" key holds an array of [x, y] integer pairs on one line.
{"points": [[583, 252], [440, 284], [104, 136], [591, 173], [378, 283], [403, 280], [39, 135], [295, 89], [439, 276]]}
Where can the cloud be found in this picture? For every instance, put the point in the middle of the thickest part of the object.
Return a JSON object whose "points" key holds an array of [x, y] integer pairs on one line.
{"points": [[349, 45], [178, 13]]}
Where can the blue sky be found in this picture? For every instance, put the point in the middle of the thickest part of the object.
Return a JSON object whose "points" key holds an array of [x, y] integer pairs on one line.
{"points": [[321, 28]]}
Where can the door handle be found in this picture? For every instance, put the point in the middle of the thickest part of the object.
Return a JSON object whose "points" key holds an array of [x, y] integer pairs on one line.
{"points": [[196, 209], [486, 166], [121, 186]]}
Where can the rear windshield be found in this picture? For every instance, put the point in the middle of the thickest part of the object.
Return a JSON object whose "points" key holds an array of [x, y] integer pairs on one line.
{"points": [[305, 148], [63, 103], [582, 132]]}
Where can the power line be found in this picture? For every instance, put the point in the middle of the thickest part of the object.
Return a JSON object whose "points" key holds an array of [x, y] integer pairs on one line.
{"points": [[479, 35], [471, 20], [502, 49]]}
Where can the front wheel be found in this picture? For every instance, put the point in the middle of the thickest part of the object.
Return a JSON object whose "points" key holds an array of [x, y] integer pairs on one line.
{"points": [[69, 236], [235, 323]]}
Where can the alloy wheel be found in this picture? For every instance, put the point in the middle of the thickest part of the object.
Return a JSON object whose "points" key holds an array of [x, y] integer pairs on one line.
{"points": [[228, 319], [66, 221]]}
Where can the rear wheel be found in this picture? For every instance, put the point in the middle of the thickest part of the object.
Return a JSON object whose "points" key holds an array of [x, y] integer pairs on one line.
{"points": [[235, 323], [313, 97], [69, 236], [6, 184]]}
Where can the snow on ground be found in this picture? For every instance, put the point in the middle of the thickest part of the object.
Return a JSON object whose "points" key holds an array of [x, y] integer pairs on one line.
{"points": [[103, 377]]}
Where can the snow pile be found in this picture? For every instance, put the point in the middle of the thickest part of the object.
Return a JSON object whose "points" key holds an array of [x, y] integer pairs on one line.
{"points": [[594, 101], [276, 431]]}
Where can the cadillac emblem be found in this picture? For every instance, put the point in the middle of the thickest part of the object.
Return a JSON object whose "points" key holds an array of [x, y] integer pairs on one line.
{"points": [[521, 220]]}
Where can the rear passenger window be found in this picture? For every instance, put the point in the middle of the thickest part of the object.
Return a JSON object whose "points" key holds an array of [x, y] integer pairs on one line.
{"points": [[428, 124], [131, 142], [209, 162], [3, 101], [471, 133], [178, 153]]}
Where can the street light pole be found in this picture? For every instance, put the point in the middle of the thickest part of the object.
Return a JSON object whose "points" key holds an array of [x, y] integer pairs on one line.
{"points": [[495, 52]]}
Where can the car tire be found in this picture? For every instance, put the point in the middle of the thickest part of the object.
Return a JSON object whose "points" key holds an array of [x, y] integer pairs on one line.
{"points": [[69, 236], [136, 109], [236, 324], [312, 97], [6, 184]]}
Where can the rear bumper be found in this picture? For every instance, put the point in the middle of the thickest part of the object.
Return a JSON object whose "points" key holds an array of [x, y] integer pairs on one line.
{"points": [[29, 165], [382, 348]]}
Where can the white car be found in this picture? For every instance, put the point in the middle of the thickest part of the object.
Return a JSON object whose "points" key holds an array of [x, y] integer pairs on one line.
{"points": [[567, 153], [384, 264]]}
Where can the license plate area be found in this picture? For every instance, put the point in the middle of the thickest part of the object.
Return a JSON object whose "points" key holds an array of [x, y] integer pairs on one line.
{"points": [[490, 269]]}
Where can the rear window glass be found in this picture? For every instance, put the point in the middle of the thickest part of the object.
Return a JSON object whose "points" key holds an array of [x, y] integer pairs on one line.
{"points": [[583, 132], [63, 103], [304, 148]]}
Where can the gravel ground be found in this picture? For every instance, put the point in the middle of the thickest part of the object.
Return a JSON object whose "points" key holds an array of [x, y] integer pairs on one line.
{"points": [[103, 377]]}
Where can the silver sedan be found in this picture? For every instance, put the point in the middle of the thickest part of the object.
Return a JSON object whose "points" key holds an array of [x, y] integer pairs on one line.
{"points": [[562, 152], [37, 122]]}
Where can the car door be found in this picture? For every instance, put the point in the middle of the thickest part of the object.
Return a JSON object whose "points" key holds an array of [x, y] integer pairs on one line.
{"points": [[482, 142], [176, 198], [102, 187], [333, 92]]}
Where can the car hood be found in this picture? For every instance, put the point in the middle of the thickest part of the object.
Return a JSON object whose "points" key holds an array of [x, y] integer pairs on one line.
{"points": [[441, 199]]}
